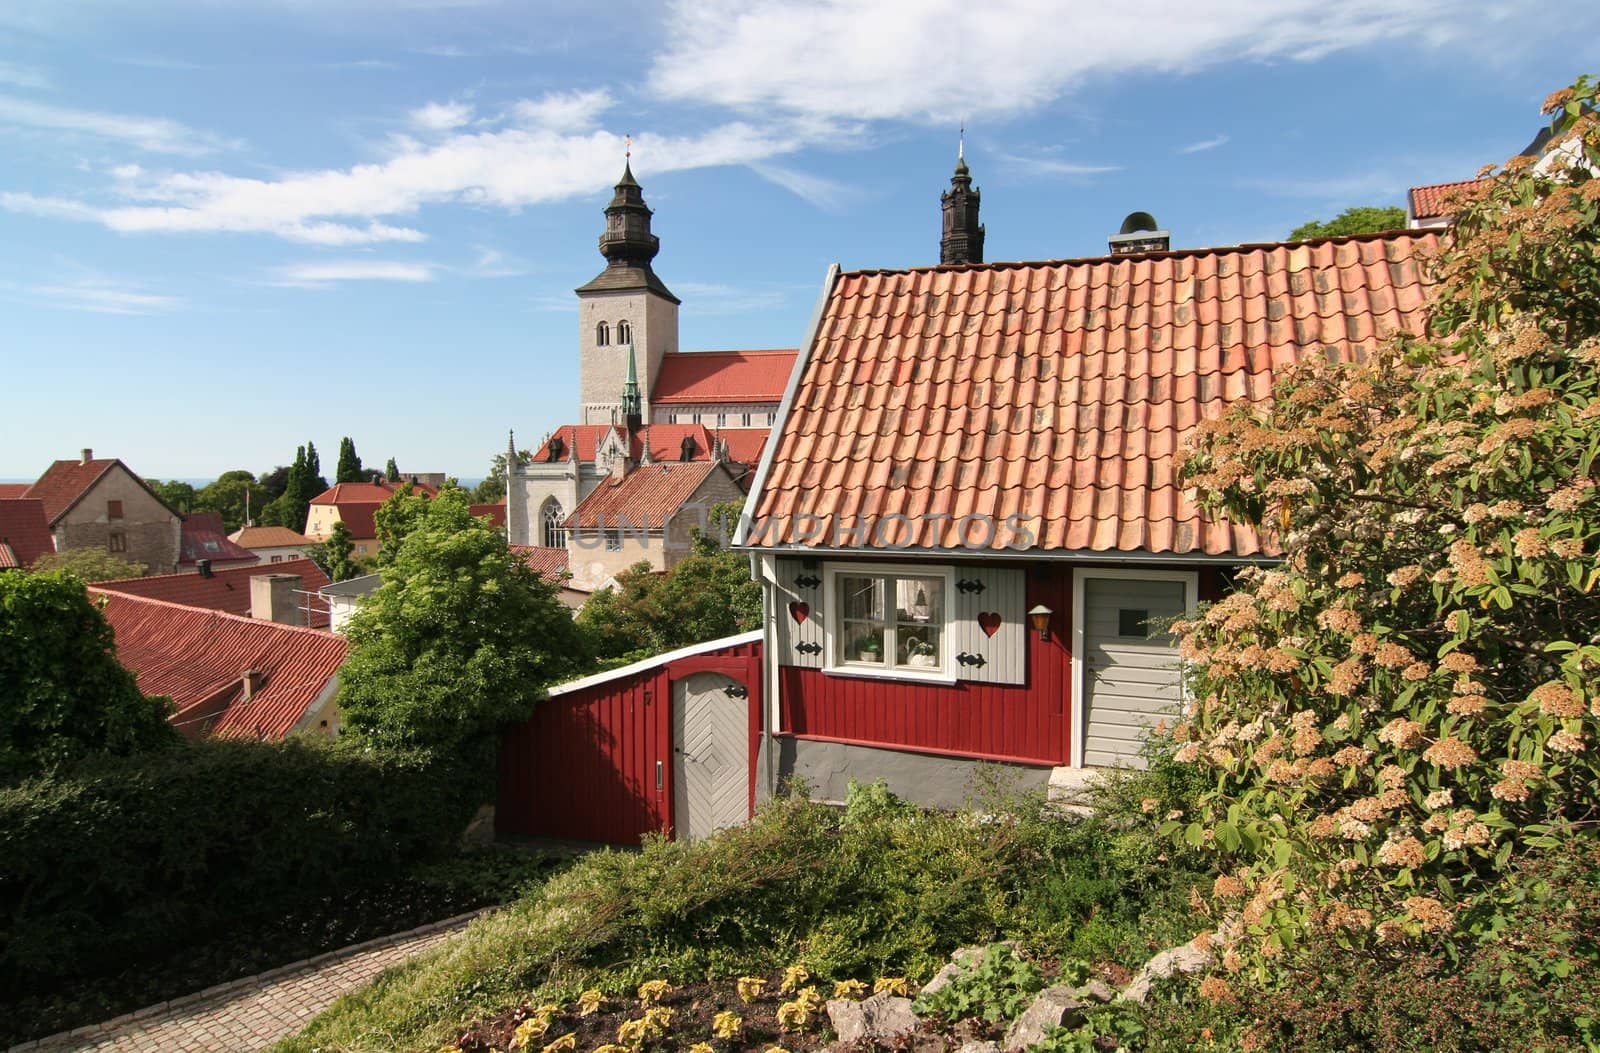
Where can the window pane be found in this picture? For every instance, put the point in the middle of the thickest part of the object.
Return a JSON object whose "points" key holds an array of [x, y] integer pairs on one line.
{"points": [[863, 597], [919, 601], [919, 647], [861, 634]]}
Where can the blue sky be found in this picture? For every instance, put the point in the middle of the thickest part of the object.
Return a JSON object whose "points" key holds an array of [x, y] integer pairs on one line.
{"points": [[230, 227]]}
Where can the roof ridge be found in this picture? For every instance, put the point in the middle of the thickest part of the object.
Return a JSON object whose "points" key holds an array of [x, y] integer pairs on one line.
{"points": [[276, 569], [1212, 250], [321, 634]]}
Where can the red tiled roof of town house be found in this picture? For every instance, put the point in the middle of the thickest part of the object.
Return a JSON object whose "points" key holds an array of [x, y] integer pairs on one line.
{"points": [[203, 536], [359, 518], [225, 590], [24, 533], [644, 499], [1059, 392], [65, 481], [269, 537], [1442, 199], [689, 377], [10, 491], [341, 493], [496, 513], [551, 562], [744, 444], [666, 442], [200, 657]]}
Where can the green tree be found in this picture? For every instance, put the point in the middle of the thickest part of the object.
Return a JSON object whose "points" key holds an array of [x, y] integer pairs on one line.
{"points": [[314, 482], [349, 470], [65, 694], [1361, 219], [1413, 698], [178, 495], [89, 564], [493, 486], [391, 472], [460, 638], [707, 594], [226, 495], [338, 548]]}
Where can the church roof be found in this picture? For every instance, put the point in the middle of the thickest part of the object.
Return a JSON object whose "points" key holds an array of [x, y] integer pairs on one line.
{"points": [[644, 499], [623, 277], [701, 377]]}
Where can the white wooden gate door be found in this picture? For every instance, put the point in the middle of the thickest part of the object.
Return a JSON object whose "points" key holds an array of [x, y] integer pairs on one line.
{"points": [[1131, 674], [711, 755]]}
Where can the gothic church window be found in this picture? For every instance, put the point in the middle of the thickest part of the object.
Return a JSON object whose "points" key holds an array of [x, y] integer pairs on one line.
{"points": [[602, 335], [624, 333], [554, 532]]}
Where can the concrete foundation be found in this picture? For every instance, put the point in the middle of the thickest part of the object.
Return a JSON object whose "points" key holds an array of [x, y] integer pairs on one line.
{"points": [[922, 778]]}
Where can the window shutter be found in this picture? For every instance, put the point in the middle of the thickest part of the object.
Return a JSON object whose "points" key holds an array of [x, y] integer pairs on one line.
{"points": [[800, 615], [991, 625]]}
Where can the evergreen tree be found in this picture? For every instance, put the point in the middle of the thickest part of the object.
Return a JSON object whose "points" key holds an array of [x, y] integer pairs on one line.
{"points": [[391, 472], [340, 566], [349, 470], [315, 481]]}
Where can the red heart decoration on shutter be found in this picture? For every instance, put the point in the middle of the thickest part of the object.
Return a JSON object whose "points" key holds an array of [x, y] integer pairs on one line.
{"points": [[989, 622], [799, 610]]}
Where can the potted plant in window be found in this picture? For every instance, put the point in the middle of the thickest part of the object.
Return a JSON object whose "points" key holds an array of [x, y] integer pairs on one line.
{"points": [[870, 649]]}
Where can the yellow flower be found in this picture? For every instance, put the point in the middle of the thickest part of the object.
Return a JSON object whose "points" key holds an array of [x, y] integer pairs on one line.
{"points": [[533, 1027], [632, 1032], [652, 991], [701, 1047], [750, 988], [610, 1048], [590, 1002], [727, 1024], [563, 1044], [849, 989], [895, 985], [657, 1020], [793, 1016], [793, 977]]}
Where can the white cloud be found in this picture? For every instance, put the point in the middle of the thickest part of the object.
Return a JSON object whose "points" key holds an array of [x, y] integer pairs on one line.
{"points": [[442, 116], [508, 168], [936, 59], [1203, 145], [568, 111], [819, 191], [22, 76], [328, 272], [100, 296], [492, 263], [1038, 166], [711, 298], [151, 134]]}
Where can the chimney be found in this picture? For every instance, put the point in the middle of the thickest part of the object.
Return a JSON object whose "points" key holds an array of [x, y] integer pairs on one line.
{"points": [[88, 455], [251, 681], [1140, 233], [204, 567], [273, 599]]}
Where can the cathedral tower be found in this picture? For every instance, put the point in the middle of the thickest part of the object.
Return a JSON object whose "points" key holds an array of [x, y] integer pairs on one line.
{"points": [[963, 234], [625, 307]]}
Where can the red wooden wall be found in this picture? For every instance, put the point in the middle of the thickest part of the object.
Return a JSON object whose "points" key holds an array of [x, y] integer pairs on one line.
{"points": [[583, 767]]}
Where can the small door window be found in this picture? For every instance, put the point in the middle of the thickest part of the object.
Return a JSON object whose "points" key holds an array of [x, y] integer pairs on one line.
{"points": [[1133, 622]]}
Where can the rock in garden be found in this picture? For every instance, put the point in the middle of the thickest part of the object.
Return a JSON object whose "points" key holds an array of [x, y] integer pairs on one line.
{"points": [[960, 961], [1185, 958], [1057, 1006], [876, 1019], [973, 1046], [1098, 990]]}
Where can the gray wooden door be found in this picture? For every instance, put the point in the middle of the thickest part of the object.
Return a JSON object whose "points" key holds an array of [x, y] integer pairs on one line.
{"points": [[711, 755], [1131, 675]]}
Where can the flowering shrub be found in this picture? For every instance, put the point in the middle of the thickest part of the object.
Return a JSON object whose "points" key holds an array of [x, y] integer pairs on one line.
{"points": [[1410, 700]]}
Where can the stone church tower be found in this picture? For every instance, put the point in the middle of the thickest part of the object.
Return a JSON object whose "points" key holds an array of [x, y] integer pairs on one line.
{"points": [[963, 234], [625, 312]]}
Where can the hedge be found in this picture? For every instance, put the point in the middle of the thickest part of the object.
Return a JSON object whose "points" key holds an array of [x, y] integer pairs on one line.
{"points": [[123, 859]]}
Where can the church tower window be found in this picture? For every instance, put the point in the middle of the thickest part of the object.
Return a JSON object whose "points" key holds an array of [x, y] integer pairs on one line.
{"points": [[602, 335], [554, 531], [624, 333]]}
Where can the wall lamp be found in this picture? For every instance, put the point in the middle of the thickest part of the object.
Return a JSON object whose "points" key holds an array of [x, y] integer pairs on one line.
{"points": [[1039, 618]]}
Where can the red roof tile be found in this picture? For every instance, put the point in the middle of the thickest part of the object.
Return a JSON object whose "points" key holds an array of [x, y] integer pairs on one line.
{"points": [[744, 444], [551, 562], [64, 482], [24, 532], [203, 536], [10, 491], [340, 493], [666, 441], [644, 499], [1442, 199], [225, 590], [722, 376], [359, 519], [199, 657], [495, 512], [1058, 392], [269, 537]]}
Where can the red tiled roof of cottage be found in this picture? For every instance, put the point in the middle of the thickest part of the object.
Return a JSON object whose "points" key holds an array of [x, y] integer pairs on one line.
{"points": [[1442, 199], [666, 442], [225, 590], [269, 537], [200, 658], [64, 482], [11, 491], [203, 536], [644, 499], [342, 493], [496, 513], [698, 377], [360, 519], [744, 444], [1057, 393], [551, 562], [24, 532]]}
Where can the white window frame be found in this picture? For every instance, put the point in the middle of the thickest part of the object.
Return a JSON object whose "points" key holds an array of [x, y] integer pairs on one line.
{"points": [[833, 618], [1080, 576]]}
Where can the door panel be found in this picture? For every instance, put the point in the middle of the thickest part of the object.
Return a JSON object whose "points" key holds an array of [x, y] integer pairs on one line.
{"points": [[1131, 672], [711, 755]]}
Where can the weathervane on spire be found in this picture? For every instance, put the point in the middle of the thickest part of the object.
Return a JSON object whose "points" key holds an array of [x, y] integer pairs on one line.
{"points": [[961, 143], [627, 147]]}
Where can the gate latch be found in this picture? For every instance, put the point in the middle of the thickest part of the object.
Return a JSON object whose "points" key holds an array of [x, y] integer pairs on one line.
{"points": [[736, 691]]}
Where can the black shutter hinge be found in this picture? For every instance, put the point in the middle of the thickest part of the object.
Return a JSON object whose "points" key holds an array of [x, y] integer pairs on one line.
{"points": [[969, 585], [975, 660]]}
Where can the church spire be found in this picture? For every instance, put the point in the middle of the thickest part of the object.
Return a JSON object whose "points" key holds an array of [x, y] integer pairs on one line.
{"points": [[627, 243], [962, 241], [632, 405]]}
